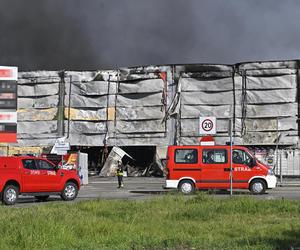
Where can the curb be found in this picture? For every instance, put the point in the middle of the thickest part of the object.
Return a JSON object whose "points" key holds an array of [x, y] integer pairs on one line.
{"points": [[288, 184]]}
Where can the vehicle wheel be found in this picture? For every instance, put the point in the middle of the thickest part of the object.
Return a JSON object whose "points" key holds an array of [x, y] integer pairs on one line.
{"points": [[10, 195], [69, 192], [257, 187], [186, 187], [42, 197]]}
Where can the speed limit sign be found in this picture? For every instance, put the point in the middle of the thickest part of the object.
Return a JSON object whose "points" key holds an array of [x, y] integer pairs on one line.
{"points": [[207, 125]]}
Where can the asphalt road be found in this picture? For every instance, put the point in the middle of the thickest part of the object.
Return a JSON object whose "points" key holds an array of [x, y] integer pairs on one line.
{"points": [[138, 188]]}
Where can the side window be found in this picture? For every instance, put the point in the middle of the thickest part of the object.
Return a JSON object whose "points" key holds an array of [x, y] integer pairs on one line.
{"points": [[214, 156], [186, 156], [43, 165], [29, 164], [240, 157]]}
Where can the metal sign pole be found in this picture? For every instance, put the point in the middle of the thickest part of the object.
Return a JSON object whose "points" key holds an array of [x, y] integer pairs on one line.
{"points": [[230, 131]]}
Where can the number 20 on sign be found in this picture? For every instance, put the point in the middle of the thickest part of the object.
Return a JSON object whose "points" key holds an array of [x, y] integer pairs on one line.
{"points": [[207, 125]]}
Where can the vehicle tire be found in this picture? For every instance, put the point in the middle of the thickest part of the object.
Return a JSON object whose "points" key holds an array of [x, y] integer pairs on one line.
{"points": [[69, 192], [186, 187], [42, 197], [10, 195], [257, 187]]}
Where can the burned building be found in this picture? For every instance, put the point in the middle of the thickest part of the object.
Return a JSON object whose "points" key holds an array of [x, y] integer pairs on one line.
{"points": [[145, 109]]}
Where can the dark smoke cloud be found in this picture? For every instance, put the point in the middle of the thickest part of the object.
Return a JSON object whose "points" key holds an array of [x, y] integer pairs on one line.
{"points": [[95, 34]]}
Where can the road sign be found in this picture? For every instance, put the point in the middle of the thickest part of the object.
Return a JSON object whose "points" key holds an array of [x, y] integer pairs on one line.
{"points": [[8, 103], [60, 147], [63, 147], [58, 152], [8, 117], [207, 125], [8, 73], [207, 140], [8, 94]]}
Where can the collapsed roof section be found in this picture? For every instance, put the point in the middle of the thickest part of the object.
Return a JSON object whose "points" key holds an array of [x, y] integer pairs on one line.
{"points": [[160, 105]]}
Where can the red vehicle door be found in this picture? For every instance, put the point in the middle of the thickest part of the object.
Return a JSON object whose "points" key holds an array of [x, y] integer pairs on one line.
{"points": [[242, 172], [49, 176], [31, 177], [215, 168], [186, 163]]}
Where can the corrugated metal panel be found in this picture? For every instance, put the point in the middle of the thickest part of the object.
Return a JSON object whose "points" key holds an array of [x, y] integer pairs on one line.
{"points": [[38, 102], [212, 98], [37, 114], [86, 114], [271, 96], [139, 100], [140, 113], [145, 86], [190, 127], [78, 101], [93, 88], [216, 85], [128, 127], [37, 127], [274, 82], [38, 90]]}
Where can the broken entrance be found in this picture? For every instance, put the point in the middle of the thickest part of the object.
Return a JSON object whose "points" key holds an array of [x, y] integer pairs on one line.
{"points": [[138, 160]]}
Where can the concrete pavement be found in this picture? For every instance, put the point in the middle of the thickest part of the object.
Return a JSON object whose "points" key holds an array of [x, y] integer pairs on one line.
{"points": [[141, 188]]}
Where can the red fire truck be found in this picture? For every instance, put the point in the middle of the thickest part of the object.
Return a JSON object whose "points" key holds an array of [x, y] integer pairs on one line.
{"points": [[28, 175], [208, 167]]}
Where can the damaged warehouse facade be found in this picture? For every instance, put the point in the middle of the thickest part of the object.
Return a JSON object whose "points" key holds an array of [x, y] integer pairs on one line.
{"points": [[145, 109]]}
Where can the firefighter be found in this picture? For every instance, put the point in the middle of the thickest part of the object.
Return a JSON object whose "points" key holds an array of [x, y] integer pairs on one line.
{"points": [[119, 174], [210, 157], [236, 158]]}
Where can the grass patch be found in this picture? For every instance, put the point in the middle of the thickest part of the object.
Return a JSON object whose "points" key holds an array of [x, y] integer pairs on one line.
{"points": [[171, 222]]}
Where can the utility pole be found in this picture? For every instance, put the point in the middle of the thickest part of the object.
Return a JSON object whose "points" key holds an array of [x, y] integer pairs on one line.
{"points": [[61, 105], [230, 134]]}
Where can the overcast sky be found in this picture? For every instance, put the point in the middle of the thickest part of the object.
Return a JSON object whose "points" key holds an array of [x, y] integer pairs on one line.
{"points": [[104, 34]]}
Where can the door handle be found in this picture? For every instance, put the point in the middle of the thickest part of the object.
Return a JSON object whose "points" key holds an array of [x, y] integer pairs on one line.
{"points": [[28, 173], [62, 174], [227, 169]]}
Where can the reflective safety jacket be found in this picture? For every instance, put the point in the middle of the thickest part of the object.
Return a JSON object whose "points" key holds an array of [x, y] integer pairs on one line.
{"points": [[119, 172]]}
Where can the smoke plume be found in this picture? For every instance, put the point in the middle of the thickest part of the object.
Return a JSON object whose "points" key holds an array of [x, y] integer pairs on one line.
{"points": [[98, 34]]}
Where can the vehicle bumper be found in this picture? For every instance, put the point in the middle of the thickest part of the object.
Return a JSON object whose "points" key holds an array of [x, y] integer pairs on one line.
{"points": [[271, 181], [171, 184]]}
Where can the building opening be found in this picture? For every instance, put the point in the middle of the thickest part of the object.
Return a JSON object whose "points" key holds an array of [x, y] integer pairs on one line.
{"points": [[144, 162]]}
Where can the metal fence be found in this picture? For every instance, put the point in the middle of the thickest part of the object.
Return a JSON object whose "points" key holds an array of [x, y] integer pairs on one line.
{"points": [[285, 162], [288, 164]]}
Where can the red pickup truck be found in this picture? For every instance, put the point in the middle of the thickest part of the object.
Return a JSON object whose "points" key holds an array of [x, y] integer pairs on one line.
{"points": [[34, 176]]}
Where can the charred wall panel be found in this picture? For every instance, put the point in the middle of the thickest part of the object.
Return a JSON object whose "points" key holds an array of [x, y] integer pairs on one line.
{"points": [[261, 99], [269, 105], [204, 95], [89, 106], [140, 110], [37, 107], [142, 106], [114, 104]]}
